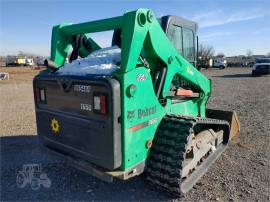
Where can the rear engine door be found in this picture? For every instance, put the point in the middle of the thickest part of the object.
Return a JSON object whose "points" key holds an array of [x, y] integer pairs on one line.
{"points": [[79, 117]]}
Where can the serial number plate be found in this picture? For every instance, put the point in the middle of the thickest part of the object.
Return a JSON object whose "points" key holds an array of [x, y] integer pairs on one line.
{"points": [[82, 88]]}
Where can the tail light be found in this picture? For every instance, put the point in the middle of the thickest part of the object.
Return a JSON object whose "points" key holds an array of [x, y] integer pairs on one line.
{"points": [[37, 95], [100, 105], [40, 95]]}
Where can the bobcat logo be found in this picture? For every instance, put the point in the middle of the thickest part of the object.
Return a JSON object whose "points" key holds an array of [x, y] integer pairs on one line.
{"points": [[147, 111], [131, 114]]}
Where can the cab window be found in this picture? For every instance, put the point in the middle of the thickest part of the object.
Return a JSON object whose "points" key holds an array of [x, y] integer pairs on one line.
{"points": [[188, 44], [175, 36]]}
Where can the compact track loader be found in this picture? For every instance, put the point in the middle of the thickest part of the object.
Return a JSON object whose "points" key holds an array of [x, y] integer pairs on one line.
{"points": [[145, 111]]}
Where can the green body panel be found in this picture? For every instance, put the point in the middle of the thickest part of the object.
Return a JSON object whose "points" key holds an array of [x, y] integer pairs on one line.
{"points": [[141, 34], [134, 142]]}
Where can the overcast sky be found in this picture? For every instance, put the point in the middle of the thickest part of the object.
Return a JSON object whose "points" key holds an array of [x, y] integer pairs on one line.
{"points": [[231, 26]]}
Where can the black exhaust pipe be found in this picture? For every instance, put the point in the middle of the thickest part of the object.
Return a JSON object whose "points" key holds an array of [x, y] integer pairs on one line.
{"points": [[50, 64]]}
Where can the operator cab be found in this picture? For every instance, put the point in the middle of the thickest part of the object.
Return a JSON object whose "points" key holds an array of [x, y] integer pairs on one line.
{"points": [[183, 35]]}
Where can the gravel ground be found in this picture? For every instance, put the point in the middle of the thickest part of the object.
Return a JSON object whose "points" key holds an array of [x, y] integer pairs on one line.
{"points": [[240, 174], [17, 115]]}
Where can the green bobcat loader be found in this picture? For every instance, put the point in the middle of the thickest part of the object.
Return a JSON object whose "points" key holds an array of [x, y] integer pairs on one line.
{"points": [[146, 115]]}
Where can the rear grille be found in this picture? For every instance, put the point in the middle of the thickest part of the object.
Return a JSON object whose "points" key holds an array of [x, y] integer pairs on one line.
{"points": [[73, 97]]}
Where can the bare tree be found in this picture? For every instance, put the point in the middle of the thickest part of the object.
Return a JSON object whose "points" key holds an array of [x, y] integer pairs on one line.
{"points": [[22, 53], [205, 51], [249, 53], [220, 55]]}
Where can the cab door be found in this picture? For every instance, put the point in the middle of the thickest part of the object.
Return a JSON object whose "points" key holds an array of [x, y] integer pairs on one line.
{"points": [[183, 35]]}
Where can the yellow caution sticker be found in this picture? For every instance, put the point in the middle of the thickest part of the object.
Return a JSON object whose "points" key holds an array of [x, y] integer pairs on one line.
{"points": [[55, 125]]}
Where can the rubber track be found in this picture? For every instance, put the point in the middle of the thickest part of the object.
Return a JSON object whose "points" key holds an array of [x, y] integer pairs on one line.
{"points": [[164, 165]]}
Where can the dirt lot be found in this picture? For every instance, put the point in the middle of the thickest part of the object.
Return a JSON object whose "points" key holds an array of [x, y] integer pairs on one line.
{"points": [[16, 104], [241, 174]]}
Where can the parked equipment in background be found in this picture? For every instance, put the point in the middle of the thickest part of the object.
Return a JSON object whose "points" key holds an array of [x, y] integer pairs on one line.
{"points": [[137, 106], [29, 62], [261, 69], [2, 61], [203, 63], [4, 75], [262, 60], [12, 60], [40, 61], [211, 63], [217, 63]]}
